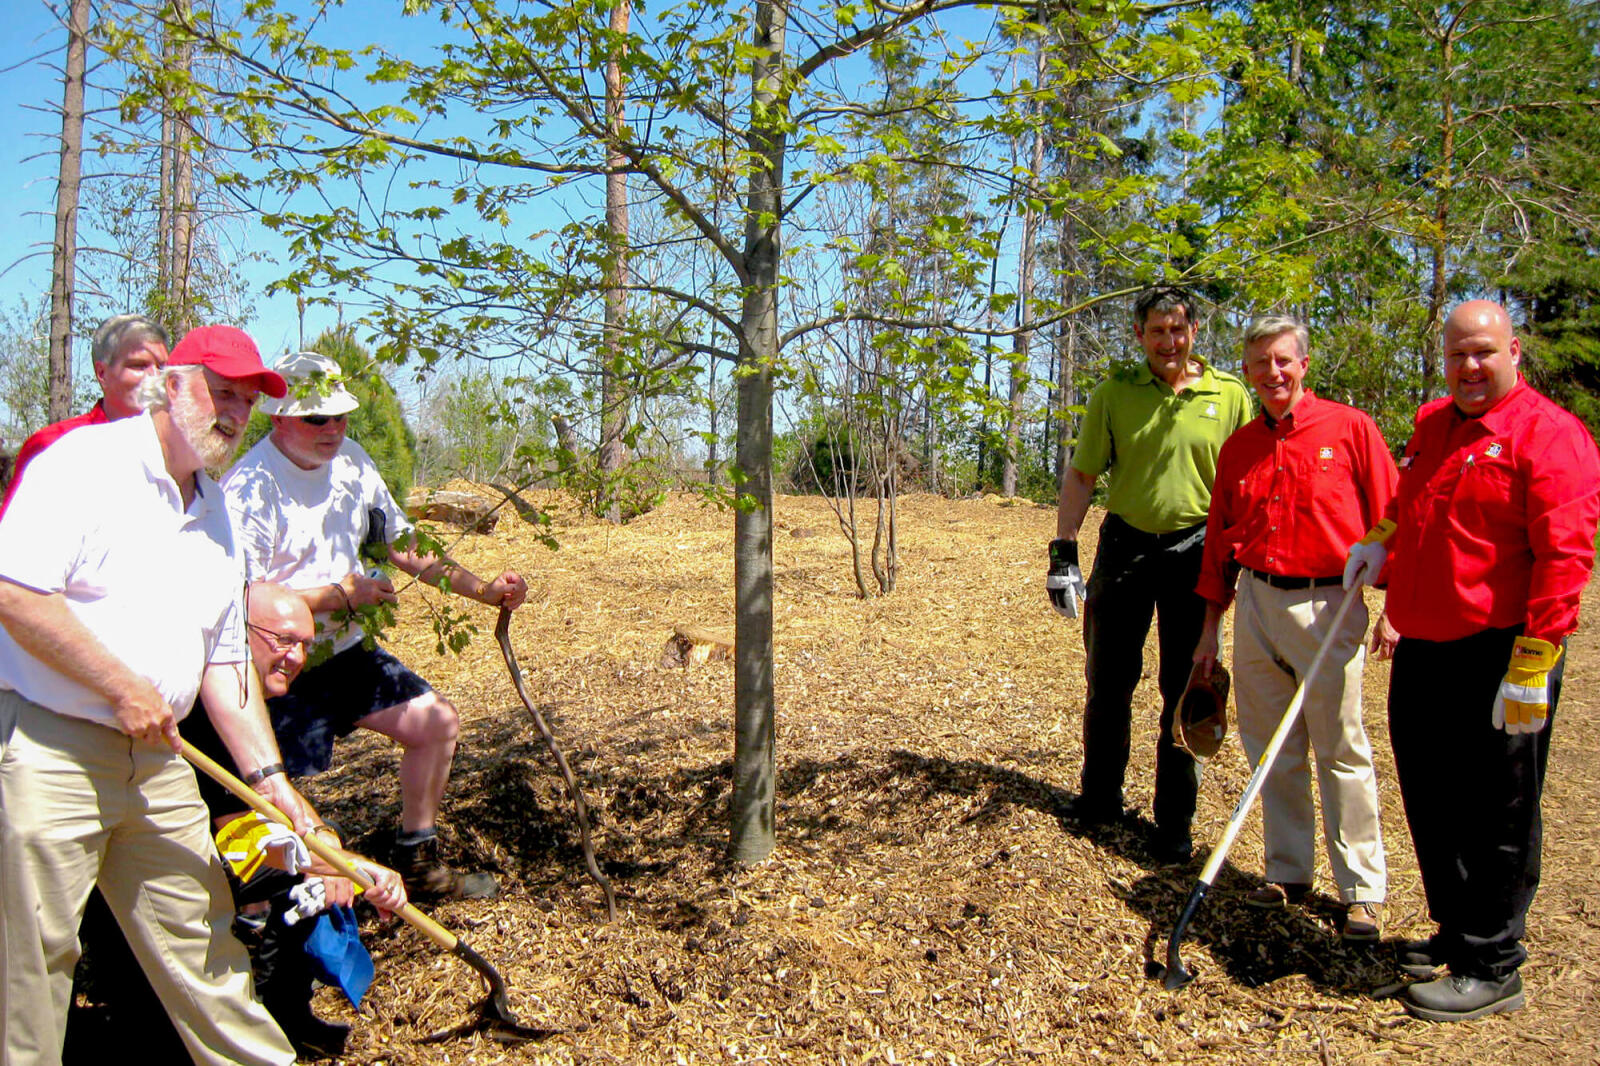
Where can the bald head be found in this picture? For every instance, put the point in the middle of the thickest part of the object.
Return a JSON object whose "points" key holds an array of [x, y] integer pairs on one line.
{"points": [[1481, 356], [281, 629]]}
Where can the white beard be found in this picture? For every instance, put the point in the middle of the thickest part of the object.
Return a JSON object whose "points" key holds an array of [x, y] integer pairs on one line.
{"points": [[200, 432]]}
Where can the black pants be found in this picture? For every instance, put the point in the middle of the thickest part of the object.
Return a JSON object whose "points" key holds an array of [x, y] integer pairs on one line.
{"points": [[1471, 793], [1137, 575]]}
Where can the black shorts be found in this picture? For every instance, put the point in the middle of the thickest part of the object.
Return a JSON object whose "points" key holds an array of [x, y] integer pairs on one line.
{"points": [[327, 701]]}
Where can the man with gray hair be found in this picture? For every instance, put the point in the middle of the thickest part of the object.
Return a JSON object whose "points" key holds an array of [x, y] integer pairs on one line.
{"points": [[127, 349], [1294, 488], [102, 652]]}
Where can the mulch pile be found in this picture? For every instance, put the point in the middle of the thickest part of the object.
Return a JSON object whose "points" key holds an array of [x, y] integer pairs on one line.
{"points": [[927, 901]]}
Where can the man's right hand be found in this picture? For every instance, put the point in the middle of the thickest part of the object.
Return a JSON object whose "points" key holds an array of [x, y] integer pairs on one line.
{"points": [[1064, 581], [1206, 650], [143, 714], [364, 591]]}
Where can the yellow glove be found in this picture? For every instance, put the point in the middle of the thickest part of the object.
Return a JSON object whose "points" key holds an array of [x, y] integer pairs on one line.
{"points": [[249, 841], [1367, 555], [1523, 703]]}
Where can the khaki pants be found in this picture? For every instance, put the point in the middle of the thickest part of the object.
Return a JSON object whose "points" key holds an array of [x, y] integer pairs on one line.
{"points": [[81, 803], [1276, 635]]}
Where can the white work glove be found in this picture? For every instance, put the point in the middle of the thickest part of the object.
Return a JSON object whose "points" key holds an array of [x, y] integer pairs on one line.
{"points": [[285, 849], [1064, 582], [310, 899], [1523, 703], [1367, 556]]}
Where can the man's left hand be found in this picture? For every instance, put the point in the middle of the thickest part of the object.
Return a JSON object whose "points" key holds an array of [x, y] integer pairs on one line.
{"points": [[281, 794], [508, 590], [1523, 703]]}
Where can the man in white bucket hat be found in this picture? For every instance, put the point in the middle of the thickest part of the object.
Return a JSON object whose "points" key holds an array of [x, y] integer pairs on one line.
{"points": [[306, 501]]}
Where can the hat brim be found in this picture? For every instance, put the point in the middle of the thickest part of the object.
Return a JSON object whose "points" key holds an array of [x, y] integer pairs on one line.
{"points": [[337, 401]]}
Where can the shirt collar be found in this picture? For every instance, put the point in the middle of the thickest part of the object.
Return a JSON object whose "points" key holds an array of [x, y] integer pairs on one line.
{"points": [[154, 461], [1206, 382], [1497, 419], [1297, 414]]}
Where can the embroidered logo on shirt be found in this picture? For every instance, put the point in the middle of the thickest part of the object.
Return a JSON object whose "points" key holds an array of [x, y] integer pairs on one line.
{"points": [[1211, 410], [1325, 453], [1493, 451]]}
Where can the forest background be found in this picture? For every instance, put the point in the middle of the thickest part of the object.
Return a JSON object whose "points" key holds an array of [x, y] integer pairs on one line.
{"points": [[856, 248]]}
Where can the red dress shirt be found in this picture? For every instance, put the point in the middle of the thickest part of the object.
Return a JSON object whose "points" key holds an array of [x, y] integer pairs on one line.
{"points": [[1292, 495], [41, 439], [1497, 519]]}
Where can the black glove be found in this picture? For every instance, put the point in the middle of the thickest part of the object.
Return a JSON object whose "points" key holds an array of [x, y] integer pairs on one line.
{"points": [[1064, 582]]}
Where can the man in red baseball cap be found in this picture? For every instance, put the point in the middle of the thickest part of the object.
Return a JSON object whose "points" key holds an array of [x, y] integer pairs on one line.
{"points": [[229, 351]]}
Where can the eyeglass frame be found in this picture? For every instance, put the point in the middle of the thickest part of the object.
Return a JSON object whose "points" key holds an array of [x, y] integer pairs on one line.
{"points": [[279, 640]]}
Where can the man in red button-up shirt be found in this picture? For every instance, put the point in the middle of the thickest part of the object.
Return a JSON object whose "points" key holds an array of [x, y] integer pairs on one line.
{"points": [[126, 350], [1496, 512], [1294, 487]]}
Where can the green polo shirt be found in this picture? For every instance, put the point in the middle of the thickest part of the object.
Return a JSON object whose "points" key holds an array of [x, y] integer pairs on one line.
{"points": [[1160, 447]]}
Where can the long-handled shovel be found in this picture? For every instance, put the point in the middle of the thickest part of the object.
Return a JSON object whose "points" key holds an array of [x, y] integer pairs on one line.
{"points": [[1177, 976], [494, 1011], [502, 634]]}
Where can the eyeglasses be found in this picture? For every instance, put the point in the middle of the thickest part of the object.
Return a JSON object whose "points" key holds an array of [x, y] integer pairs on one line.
{"points": [[281, 642], [321, 420]]}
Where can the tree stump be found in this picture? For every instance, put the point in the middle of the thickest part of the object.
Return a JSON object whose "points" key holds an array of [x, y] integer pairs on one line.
{"points": [[472, 513], [690, 646]]}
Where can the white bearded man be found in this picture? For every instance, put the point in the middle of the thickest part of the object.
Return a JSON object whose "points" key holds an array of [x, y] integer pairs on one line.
{"points": [[120, 602]]}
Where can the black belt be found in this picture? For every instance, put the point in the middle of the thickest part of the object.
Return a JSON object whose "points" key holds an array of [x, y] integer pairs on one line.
{"points": [[1278, 581], [1161, 540]]}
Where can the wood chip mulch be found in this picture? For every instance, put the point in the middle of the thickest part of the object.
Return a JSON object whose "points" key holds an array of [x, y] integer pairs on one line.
{"points": [[928, 902]]}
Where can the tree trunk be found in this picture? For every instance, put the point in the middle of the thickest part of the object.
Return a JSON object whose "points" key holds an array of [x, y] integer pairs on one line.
{"points": [[176, 219], [613, 393], [65, 251], [753, 807], [1021, 342], [1438, 289]]}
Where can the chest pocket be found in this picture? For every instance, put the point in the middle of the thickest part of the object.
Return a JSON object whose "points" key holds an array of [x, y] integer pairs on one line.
{"points": [[1485, 492]]}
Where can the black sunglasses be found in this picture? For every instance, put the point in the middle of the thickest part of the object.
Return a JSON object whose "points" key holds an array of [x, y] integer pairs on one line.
{"points": [[321, 420]]}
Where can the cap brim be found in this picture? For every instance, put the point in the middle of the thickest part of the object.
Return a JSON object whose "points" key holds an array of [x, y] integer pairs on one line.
{"points": [[271, 382]]}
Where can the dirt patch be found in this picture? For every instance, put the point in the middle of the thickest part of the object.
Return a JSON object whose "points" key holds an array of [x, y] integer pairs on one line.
{"points": [[927, 903]]}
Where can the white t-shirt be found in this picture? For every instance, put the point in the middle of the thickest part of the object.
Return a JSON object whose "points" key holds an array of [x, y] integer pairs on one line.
{"points": [[99, 520], [304, 528]]}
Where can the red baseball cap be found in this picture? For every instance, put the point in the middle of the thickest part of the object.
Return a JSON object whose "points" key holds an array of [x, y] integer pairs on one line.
{"points": [[230, 352]]}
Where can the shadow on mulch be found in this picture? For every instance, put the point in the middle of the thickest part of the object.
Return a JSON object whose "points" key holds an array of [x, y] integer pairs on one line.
{"points": [[1253, 947]]}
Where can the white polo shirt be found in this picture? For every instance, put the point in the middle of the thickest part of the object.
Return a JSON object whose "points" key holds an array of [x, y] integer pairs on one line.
{"points": [[99, 520], [304, 528]]}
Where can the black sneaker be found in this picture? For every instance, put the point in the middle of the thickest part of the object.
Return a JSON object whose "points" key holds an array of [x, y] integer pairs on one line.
{"points": [[1171, 850], [1461, 999], [1093, 812], [429, 877], [312, 1037]]}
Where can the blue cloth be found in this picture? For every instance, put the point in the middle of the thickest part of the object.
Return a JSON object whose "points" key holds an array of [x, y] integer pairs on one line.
{"points": [[338, 958]]}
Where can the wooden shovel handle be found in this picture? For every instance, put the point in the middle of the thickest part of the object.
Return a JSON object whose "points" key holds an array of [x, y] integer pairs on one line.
{"points": [[332, 856]]}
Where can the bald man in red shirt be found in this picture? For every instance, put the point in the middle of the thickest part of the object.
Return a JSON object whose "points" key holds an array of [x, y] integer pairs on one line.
{"points": [[1294, 487], [1491, 547]]}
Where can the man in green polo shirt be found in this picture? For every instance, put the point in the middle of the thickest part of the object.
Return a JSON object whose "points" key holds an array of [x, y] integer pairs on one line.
{"points": [[1154, 429]]}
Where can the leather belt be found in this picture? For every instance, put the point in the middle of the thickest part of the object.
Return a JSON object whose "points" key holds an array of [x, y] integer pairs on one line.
{"points": [[1278, 581]]}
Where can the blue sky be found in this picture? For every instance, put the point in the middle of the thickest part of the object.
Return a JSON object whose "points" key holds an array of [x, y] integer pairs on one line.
{"points": [[29, 79]]}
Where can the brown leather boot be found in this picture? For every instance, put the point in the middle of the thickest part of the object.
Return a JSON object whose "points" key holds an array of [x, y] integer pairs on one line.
{"points": [[429, 877]]}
